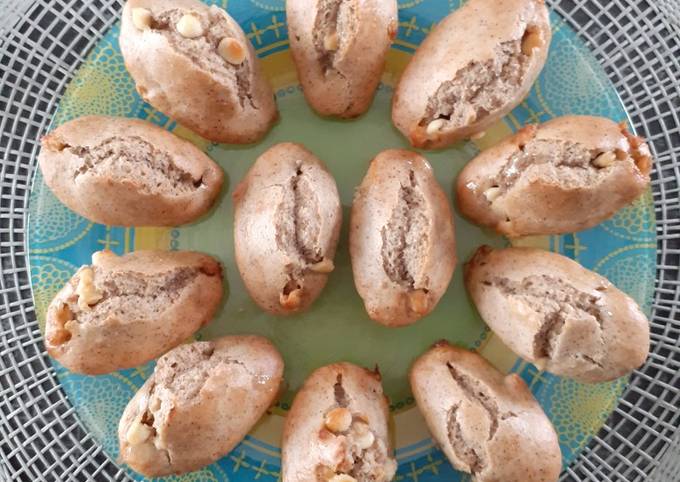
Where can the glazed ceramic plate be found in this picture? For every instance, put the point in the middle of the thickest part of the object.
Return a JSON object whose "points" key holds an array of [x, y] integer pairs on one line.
{"points": [[337, 328]]}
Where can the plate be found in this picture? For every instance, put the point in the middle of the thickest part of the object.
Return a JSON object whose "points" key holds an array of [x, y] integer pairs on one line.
{"points": [[337, 328]]}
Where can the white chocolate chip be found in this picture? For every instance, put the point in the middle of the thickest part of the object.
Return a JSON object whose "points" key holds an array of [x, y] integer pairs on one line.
{"points": [[141, 18], [87, 293], [324, 266], [532, 40], [154, 404], [64, 321], [359, 427], [338, 420], [189, 26], [99, 258], [231, 50], [621, 155], [605, 159], [71, 326], [342, 478], [291, 300], [331, 42], [435, 126], [390, 469], [146, 454], [492, 193], [364, 440], [469, 116], [138, 433], [418, 301]]}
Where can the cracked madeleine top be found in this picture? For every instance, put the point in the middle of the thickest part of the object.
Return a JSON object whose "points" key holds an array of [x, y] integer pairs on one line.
{"points": [[448, 92], [194, 63], [565, 175], [558, 315], [339, 48], [287, 218], [336, 430], [402, 240], [200, 402], [128, 172], [487, 424], [122, 311]]}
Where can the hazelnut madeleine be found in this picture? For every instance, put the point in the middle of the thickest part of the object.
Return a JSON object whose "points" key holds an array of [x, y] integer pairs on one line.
{"points": [[402, 240], [337, 429], [486, 423], [566, 175], [287, 218], [558, 315], [123, 311], [475, 66], [194, 63]]}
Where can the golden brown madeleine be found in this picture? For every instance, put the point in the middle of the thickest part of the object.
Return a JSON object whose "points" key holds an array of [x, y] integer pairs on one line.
{"points": [[337, 429], [339, 48], [199, 403], [402, 240], [474, 67], [286, 227], [566, 175], [123, 311], [558, 315], [194, 63], [488, 424], [128, 172]]}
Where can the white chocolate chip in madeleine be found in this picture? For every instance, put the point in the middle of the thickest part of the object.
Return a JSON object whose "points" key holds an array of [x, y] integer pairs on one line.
{"points": [[141, 18], [231, 50], [331, 42], [605, 159], [531, 40], [154, 403], [338, 420], [435, 126], [492, 193], [291, 300], [324, 266], [189, 26], [390, 469], [362, 435], [324, 473], [63, 320], [418, 301], [86, 291], [138, 433]]}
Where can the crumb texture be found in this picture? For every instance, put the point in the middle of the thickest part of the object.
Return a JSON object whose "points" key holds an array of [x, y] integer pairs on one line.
{"points": [[133, 158], [575, 164], [404, 237], [471, 449], [479, 88], [560, 304], [334, 24], [130, 296], [202, 51], [185, 373], [298, 227]]}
